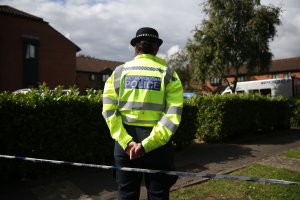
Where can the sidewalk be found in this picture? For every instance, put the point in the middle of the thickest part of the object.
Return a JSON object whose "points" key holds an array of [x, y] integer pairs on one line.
{"points": [[95, 184]]}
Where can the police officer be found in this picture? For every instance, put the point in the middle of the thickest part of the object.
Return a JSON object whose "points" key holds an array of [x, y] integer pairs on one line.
{"points": [[142, 105]]}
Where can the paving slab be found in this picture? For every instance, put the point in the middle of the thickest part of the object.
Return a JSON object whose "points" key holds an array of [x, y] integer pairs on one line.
{"points": [[65, 190]]}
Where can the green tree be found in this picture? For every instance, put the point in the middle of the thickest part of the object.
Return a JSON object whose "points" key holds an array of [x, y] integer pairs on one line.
{"points": [[235, 33], [179, 61]]}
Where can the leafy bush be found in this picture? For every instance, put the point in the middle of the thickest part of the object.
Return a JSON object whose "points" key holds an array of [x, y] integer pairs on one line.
{"points": [[188, 126], [51, 125], [295, 115], [222, 117]]}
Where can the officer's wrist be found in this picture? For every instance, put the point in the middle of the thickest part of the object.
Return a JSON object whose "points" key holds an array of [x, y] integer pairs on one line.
{"points": [[143, 150], [128, 144]]}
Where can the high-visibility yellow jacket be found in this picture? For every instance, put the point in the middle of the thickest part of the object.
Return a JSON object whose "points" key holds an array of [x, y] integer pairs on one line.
{"points": [[143, 92]]}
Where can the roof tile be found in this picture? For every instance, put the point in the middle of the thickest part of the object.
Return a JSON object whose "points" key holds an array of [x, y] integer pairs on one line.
{"points": [[88, 64], [7, 10]]}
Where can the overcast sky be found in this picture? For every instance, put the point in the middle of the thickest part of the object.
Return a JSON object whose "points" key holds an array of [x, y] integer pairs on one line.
{"points": [[104, 28]]}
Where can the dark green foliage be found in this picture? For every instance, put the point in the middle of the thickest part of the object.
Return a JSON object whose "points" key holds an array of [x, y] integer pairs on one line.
{"points": [[222, 117], [215, 118], [233, 34], [51, 125], [295, 107], [188, 126]]}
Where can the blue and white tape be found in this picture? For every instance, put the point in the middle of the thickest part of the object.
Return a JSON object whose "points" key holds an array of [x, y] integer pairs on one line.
{"points": [[177, 173]]}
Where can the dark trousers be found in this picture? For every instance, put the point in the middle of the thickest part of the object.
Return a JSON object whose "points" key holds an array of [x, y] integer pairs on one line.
{"points": [[158, 185]]}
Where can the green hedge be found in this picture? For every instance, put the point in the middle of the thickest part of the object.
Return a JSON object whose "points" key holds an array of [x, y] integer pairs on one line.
{"points": [[222, 117], [51, 125], [188, 126], [295, 115]]}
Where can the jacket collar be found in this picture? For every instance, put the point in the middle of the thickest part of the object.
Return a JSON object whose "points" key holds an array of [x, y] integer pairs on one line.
{"points": [[152, 57]]}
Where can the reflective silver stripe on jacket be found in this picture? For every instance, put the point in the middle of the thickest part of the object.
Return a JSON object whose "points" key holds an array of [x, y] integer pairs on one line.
{"points": [[117, 78], [169, 75], [144, 68], [169, 124], [110, 113], [107, 100], [140, 106], [131, 120], [174, 110]]}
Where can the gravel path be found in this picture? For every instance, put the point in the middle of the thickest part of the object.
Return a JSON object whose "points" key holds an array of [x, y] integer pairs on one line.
{"points": [[282, 162]]}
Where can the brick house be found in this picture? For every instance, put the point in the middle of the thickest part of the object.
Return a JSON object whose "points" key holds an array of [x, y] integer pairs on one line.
{"points": [[281, 68], [32, 52], [92, 72]]}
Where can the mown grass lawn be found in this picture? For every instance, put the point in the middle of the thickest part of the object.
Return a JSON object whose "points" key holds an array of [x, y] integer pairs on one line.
{"points": [[243, 190], [294, 153]]}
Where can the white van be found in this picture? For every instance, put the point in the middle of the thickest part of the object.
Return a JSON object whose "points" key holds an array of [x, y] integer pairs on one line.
{"points": [[272, 87]]}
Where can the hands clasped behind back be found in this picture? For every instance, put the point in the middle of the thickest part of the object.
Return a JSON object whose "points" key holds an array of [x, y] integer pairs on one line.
{"points": [[134, 150]]}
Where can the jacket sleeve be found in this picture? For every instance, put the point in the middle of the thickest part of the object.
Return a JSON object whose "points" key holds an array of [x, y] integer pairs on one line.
{"points": [[169, 122], [111, 114]]}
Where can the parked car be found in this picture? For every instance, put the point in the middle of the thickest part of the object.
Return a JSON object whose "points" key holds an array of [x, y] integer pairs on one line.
{"points": [[26, 90], [285, 87], [187, 95], [23, 91]]}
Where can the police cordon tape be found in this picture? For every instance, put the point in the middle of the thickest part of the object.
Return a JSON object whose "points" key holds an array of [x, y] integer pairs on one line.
{"points": [[176, 173]]}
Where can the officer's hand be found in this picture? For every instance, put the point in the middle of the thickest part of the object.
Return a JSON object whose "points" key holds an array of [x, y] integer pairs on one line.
{"points": [[134, 150], [130, 149], [139, 150]]}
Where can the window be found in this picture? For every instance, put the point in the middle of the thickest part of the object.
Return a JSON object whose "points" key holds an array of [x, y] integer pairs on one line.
{"points": [[30, 48], [287, 75], [215, 81], [265, 91], [274, 76], [92, 77], [241, 78], [30, 51], [253, 91], [30, 54], [105, 77], [240, 91]]}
